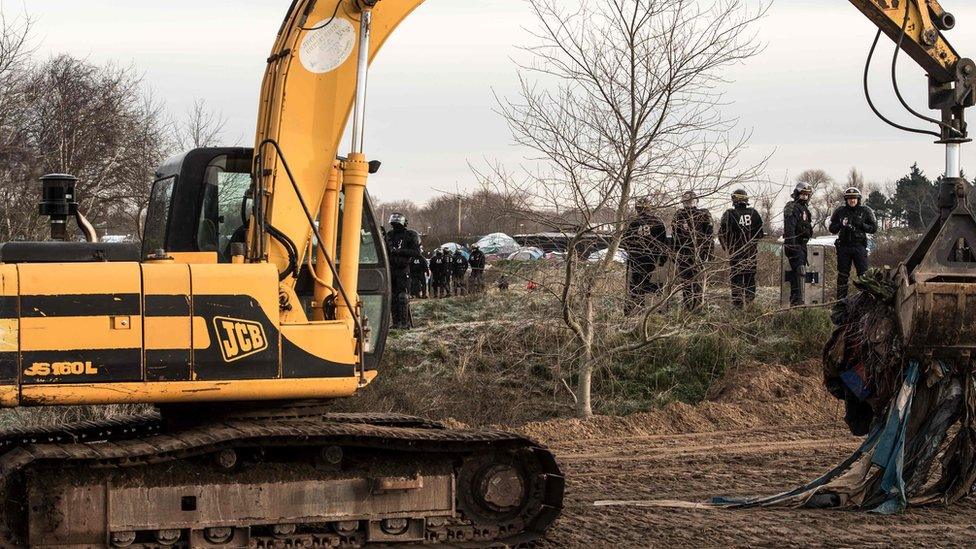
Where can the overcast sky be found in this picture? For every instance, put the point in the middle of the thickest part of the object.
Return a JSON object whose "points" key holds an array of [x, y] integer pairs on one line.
{"points": [[431, 98]]}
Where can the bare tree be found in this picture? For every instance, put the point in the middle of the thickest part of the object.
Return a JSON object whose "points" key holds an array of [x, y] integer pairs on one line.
{"points": [[766, 204], [825, 196], [95, 122], [15, 51], [856, 179], [200, 127], [621, 99]]}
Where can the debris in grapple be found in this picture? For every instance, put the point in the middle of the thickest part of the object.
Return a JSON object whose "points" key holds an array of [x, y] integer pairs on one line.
{"points": [[913, 411]]}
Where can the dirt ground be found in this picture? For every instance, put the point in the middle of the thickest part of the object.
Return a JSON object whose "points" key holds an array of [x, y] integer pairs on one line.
{"points": [[767, 429]]}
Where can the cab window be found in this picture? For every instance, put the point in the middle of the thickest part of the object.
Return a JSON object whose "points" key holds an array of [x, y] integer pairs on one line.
{"points": [[368, 240], [157, 216], [224, 208]]}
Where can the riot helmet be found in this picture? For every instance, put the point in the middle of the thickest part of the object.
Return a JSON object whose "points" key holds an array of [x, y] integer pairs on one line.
{"points": [[740, 196], [803, 191], [398, 220]]}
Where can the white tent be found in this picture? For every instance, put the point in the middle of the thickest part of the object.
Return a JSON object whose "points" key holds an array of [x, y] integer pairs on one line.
{"points": [[528, 254], [498, 244], [453, 247]]}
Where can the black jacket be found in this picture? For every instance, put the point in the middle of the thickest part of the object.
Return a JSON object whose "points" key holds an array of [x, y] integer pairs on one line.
{"points": [[419, 267], [440, 266], [853, 225], [459, 265], [741, 227], [477, 260], [403, 245], [693, 234], [797, 225], [646, 241]]}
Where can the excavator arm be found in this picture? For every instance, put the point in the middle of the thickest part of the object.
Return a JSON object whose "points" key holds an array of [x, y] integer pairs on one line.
{"points": [[316, 74], [917, 26], [923, 40]]}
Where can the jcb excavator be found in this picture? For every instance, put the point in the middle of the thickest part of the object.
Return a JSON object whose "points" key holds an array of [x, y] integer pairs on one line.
{"points": [[261, 291]]}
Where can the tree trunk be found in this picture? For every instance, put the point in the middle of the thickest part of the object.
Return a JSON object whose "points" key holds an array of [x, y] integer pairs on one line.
{"points": [[584, 407]]}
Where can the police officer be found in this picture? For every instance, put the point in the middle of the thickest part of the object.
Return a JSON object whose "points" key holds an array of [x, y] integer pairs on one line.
{"points": [[797, 231], [403, 246], [419, 269], [693, 233], [852, 223], [438, 265], [477, 263], [448, 269], [646, 242], [739, 233], [459, 268]]}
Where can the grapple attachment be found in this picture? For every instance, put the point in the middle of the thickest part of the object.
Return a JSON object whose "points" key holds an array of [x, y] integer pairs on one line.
{"points": [[936, 297]]}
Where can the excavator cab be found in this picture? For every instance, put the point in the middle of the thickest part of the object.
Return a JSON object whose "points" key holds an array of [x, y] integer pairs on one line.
{"points": [[200, 206]]}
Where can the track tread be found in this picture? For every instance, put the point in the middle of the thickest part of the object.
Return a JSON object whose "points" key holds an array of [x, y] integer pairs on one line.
{"points": [[111, 444]]}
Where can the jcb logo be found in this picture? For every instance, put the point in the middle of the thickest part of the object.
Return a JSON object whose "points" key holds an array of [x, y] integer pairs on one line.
{"points": [[239, 338], [44, 369]]}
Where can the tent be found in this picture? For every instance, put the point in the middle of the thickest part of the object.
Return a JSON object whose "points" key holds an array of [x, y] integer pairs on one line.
{"points": [[527, 254], [498, 244], [453, 247]]}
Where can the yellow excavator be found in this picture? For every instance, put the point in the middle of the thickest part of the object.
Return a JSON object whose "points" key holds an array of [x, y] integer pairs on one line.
{"points": [[261, 291]]}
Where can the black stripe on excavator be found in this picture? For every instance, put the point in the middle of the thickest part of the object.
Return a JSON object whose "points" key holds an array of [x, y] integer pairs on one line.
{"points": [[297, 363], [8, 307], [168, 365], [88, 366], [36, 306], [167, 305], [8, 367]]}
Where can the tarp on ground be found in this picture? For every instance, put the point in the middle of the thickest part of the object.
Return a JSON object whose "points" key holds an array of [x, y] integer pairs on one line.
{"points": [[619, 257], [498, 244], [527, 254]]}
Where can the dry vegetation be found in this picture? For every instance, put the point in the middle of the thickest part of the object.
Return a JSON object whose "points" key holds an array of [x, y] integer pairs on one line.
{"points": [[506, 358]]}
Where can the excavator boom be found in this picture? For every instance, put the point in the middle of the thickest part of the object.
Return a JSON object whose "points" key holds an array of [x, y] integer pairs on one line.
{"points": [[920, 35]]}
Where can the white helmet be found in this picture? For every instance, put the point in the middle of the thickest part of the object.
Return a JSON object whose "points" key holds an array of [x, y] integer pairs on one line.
{"points": [[398, 219]]}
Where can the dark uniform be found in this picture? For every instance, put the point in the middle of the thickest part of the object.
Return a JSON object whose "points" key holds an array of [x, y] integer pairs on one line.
{"points": [[797, 232], [440, 265], [646, 242], [477, 263], [739, 232], [693, 247], [419, 269], [403, 245], [459, 268], [852, 225]]}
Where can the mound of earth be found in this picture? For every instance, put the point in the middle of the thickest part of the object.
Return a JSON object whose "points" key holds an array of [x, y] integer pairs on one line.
{"points": [[753, 395]]}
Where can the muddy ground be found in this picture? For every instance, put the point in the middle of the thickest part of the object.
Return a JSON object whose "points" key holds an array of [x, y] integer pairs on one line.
{"points": [[765, 430]]}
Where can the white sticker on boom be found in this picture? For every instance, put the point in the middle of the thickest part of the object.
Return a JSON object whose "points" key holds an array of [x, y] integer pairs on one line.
{"points": [[327, 47]]}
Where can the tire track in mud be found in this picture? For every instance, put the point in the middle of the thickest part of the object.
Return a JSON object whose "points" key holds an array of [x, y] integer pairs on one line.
{"points": [[698, 466], [752, 438]]}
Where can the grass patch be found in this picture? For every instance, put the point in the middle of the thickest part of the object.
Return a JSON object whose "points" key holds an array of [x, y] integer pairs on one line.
{"points": [[507, 359]]}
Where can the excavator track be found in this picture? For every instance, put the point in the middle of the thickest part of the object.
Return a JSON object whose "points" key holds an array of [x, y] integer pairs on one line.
{"points": [[276, 481]]}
